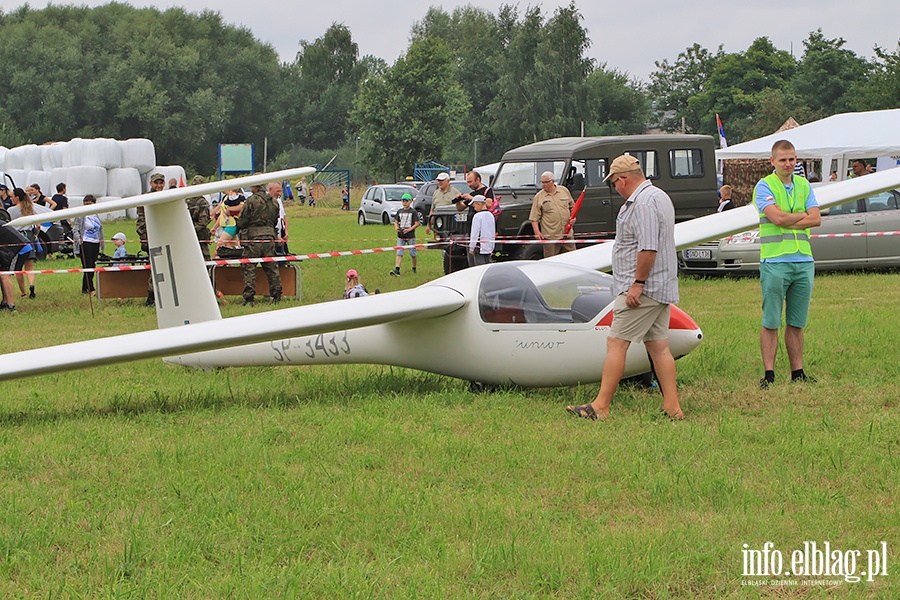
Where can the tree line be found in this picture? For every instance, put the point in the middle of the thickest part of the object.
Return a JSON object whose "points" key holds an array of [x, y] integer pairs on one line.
{"points": [[470, 83]]}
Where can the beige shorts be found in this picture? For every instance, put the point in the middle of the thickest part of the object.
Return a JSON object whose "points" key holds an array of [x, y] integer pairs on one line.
{"points": [[648, 322]]}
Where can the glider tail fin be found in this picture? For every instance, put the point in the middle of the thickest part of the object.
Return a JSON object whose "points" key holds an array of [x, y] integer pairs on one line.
{"points": [[181, 283]]}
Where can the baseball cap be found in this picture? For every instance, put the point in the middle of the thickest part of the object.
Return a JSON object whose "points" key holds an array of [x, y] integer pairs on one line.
{"points": [[3, 187], [198, 179], [406, 196], [442, 177], [120, 236], [352, 273], [478, 198], [623, 164], [157, 177]]}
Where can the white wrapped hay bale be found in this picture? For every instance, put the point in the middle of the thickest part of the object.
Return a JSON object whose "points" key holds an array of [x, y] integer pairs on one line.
{"points": [[123, 182], [112, 215], [18, 178], [86, 180], [138, 153], [3, 151], [72, 153], [131, 213], [57, 176], [32, 158], [15, 159], [100, 152], [42, 178], [52, 156], [75, 201]]}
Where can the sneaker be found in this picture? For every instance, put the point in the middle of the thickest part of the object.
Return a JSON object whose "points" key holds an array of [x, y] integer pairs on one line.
{"points": [[31, 292], [764, 383], [248, 302], [395, 272], [414, 270], [804, 379], [276, 299]]}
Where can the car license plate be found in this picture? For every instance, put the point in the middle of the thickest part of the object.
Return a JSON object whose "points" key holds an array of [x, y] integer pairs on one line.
{"points": [[461, 217], [698, 254]]}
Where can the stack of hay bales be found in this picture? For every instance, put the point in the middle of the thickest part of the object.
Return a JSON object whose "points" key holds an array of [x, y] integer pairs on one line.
{"points": [[106, 168]]}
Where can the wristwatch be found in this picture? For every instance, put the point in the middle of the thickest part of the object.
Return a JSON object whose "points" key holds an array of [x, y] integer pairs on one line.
{"points": [[640, 281]]}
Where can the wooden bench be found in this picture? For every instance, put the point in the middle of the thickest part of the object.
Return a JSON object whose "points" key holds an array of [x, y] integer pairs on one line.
{"points": [[227, 279]]}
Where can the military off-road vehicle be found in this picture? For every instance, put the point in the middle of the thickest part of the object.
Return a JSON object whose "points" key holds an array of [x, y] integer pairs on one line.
{"points": [[682, 165]]}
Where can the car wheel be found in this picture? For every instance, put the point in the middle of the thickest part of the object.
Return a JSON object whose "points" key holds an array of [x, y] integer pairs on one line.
{"points": [[361, 218], [385, 219], [421, 216], [532, 252]]}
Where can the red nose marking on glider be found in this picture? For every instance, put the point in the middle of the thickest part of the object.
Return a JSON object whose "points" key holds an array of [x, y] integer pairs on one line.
{"points": [[678, 319]]}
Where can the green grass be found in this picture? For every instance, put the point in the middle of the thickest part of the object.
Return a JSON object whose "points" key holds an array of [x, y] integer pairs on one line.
{"points": [[147, 480]]}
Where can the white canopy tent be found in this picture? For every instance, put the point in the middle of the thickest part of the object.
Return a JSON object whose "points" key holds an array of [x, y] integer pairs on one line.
{"points": [[841, 137]]}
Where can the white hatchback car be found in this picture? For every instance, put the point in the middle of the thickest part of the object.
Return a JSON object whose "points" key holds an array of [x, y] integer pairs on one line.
{"points": [[381, 202]]}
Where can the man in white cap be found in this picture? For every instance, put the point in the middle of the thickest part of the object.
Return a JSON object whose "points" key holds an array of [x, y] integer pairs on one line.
{"points": [[645, 273], [444, 195], [551, 211]]}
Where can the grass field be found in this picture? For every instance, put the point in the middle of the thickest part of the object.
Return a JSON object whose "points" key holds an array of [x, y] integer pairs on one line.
{"points": [[145, 480]]}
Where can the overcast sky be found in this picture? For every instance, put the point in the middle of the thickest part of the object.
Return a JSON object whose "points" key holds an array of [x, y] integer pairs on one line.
{"points": [[656, 29]]}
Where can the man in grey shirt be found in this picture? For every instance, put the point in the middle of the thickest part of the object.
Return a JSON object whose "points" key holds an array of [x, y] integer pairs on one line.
{"points": [[645, 273]]}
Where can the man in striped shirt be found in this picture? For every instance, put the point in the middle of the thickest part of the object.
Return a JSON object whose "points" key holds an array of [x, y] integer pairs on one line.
{"points": [[645, 273]]}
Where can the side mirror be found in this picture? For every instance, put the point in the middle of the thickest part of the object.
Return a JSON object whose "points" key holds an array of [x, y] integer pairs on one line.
{"points": [[824, 211]]}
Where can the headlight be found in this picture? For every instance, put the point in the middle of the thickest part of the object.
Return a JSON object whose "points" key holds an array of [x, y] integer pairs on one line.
{"points": [[747, 237], [439, 222]]}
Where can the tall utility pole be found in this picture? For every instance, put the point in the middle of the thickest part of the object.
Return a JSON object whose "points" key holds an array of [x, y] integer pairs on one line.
{"points": [[475, 158], [356, 160]]}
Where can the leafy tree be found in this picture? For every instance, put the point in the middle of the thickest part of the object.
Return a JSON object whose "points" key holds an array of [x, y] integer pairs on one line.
{"points": [[619, 105], [410, 113], [476, 41], [673, 85], [826, 73], [882, 89], [773, 108], [122, 72], [734, 87], [543, 90], [320, 87]]}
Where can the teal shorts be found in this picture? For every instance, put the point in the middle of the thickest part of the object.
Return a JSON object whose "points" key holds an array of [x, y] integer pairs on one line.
{"points": [[786, 286]]}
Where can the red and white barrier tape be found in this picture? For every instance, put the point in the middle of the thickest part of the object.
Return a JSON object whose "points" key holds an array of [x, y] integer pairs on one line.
{"points": [[310, 256]]}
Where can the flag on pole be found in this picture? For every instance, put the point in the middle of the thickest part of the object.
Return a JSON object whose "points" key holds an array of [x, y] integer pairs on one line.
{"points": [[722, 143]]}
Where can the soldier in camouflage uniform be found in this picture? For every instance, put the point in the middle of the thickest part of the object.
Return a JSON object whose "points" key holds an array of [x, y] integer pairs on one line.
{"points": [[157, 183], [257, 222], [198, 206]]}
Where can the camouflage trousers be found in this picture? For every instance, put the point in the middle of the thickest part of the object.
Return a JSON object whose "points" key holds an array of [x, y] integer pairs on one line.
{"points": [[248, 271], [204, 249]]}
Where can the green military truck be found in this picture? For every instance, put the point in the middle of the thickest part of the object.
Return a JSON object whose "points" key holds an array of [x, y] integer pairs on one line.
{"points": [[682, 165]]}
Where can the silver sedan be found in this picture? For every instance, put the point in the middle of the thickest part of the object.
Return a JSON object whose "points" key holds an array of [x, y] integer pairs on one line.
{"points": [[833, 245]]}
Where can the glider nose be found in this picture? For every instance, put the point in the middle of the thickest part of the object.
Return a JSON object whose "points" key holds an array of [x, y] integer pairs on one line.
{"points": [[684, 333]]}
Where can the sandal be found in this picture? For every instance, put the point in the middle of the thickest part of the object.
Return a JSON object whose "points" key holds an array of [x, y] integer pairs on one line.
{"points": [[679, 416], [585, 411]]}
